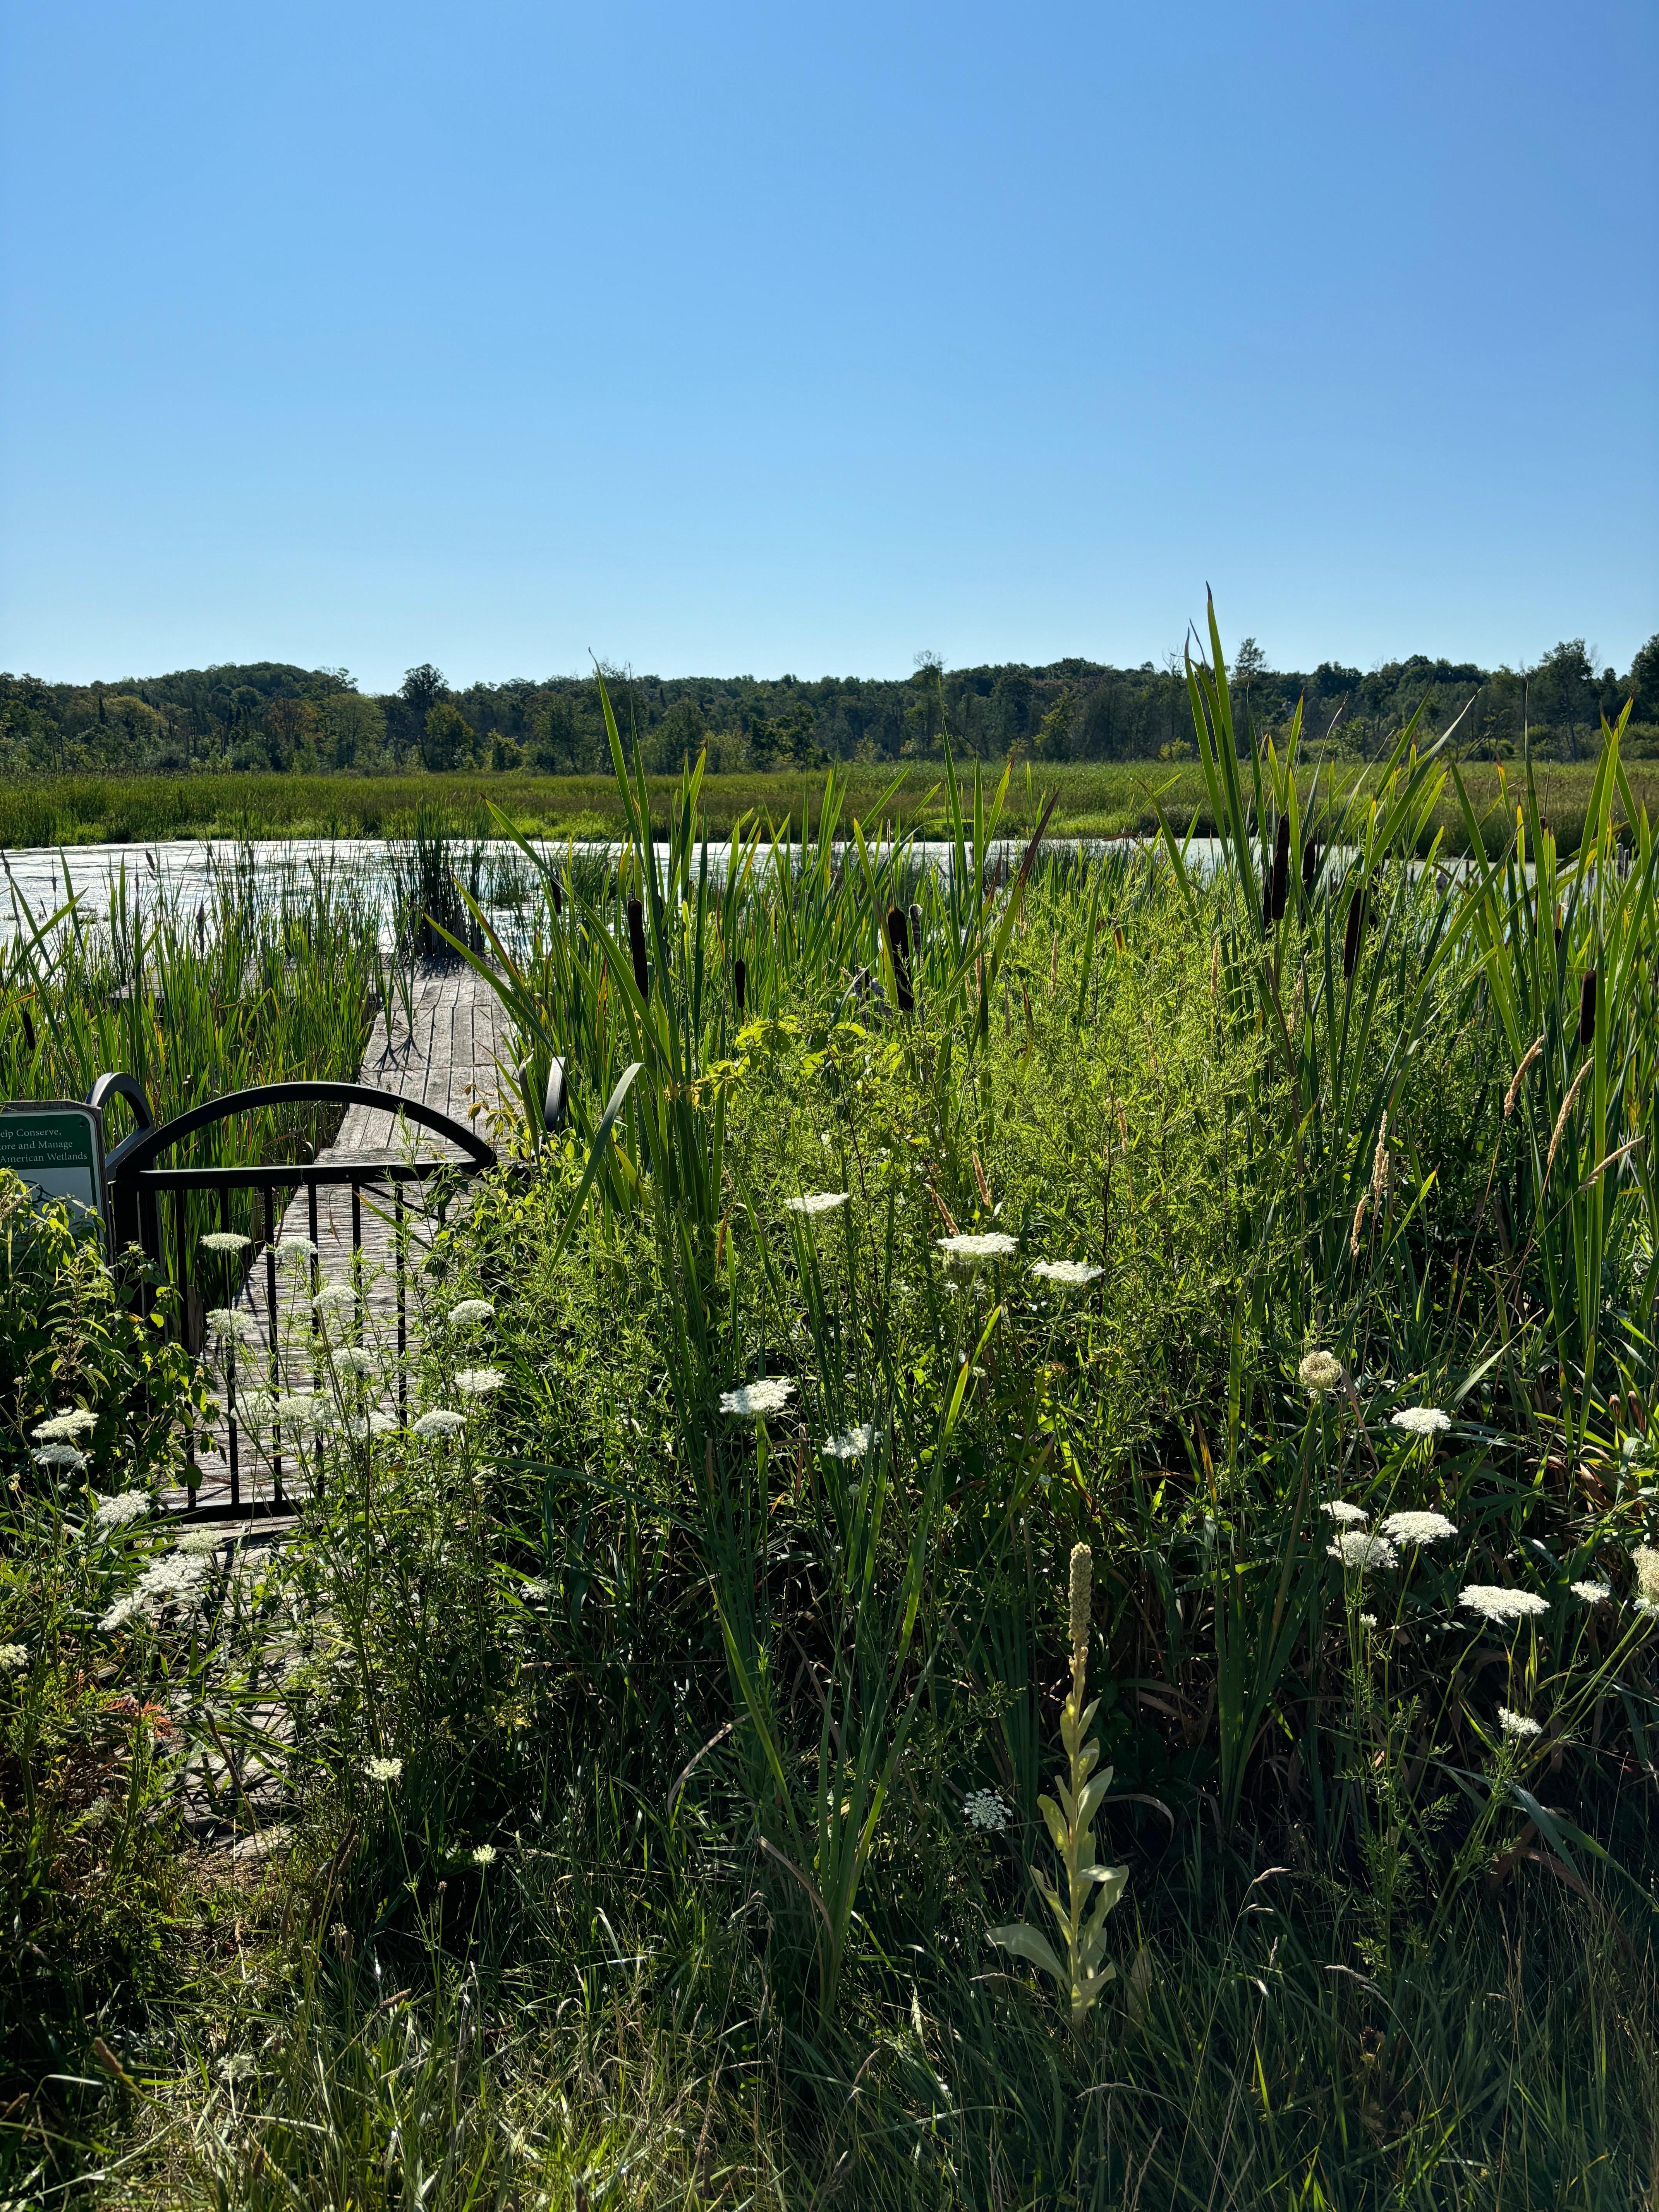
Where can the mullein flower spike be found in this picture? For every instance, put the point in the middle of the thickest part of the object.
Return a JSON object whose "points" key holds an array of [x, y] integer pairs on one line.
{"points": [[1082, 1972]]}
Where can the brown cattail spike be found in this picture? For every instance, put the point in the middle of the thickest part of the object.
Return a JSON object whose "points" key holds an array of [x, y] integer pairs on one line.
{"points": [[1351, 935], [558, 895], [740, 981], [636, 945], [1309, 867], [898, 944], [1587, 1012], [1281, 883]]}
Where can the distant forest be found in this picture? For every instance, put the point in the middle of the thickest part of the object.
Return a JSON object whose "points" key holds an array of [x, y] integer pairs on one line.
{"points": [[269, 716]]}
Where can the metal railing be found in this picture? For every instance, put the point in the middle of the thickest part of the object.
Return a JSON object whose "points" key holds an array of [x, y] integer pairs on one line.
{"points": [[139, 1188]]}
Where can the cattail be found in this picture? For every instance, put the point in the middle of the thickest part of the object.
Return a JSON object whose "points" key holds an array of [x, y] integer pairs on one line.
{"points": [[1082, 1579], [1521, 1074], [555, 887], [636, 945], [1567, 1105], [1380, 1163], [1281, 883], [1587, 1012], [898, 944], [28, 1027], [1309, 867], [740, 981], [1351, 935]]}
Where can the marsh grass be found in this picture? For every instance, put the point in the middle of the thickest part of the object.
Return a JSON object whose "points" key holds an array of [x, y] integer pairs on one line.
{"points": [[671, 1896]]}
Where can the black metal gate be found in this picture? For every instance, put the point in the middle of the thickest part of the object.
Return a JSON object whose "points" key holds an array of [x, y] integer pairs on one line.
{"points": [[139, 1190]]}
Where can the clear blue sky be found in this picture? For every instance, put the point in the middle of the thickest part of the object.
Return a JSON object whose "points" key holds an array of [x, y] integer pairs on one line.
{"points": [[736, 338]]}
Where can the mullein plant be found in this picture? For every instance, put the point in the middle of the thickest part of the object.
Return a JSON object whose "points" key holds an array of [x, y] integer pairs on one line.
{"points": [[1082, 1916]]}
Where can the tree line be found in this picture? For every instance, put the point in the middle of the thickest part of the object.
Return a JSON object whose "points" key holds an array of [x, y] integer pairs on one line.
{"points": [[269, 715]]}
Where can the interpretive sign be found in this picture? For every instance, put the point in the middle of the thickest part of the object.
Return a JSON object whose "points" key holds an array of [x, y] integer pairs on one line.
{"points": [[56, 1145]]}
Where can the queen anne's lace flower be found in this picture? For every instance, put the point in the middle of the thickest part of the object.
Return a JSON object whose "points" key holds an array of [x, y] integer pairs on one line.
{"points": [[1645, 1560], [985, 1811], [228, 1325], [335, 1297], [754, 1400], [64, 1428], [1417, 1528], [13, 1657], [299, 1409], [116, 1512], [1517, 1725], [355, 1360], [471, 1312], [291, 1250], [856, 1443], [1320, 1373], [1345, 1515], [816, 1201], [175, 1580], [1593, 1593], [375, 1423], [968, 1251], [536, 1591], [227, 1241], [1355, 1548], [441, 1422], [483, 1855], [1420, 1420], [1073, 1274], [64, 1456], [383, 1770], [1492, 1602], [479, 1382]]}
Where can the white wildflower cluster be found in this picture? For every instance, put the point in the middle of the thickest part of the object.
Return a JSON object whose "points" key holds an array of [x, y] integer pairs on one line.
{"points": [[13, 1657], [355, 1360], [966, 1251], [1355, 1548], [62, 1455], [754, 1400], [292, 1251], [175, 1580], [1517, 1726], [335, 1297], [1320, 1373], [230, 1325], [1645, 1560], [483, 1855], [439, 1423], [1345, 1515], [1420, 1420], [362, 1426], [856, 1444], [1494, 1603], [985, 1811], [65, 1428], [126, 1505], [479, 1382], [202, 1543], [1072, 1274], [299, 1409], [812, 1202], [536, 1591], [470, 1313], [1593, 1593], [383, 1770], [225, 1241], [1417, 1528]]}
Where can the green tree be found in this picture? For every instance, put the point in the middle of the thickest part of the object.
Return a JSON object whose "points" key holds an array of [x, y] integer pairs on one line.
{"points": [[447, 742]]}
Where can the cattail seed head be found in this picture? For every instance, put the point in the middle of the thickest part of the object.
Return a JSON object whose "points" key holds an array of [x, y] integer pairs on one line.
{"points": [[1281, 882], [636, 945], [1587, 1012], [1082, 1585], [1351, 935], [740, 981], [1309, 866]]}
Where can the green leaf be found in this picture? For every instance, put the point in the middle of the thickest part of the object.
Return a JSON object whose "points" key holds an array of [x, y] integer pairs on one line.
{"points": [[601, 1138], [1025, 1943]]}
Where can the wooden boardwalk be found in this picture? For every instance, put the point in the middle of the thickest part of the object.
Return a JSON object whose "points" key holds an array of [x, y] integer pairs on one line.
{"points": [[450, 1060]]}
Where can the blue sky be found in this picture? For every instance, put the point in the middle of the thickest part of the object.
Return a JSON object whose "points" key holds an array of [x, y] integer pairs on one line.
{"points": [[744, 337]]}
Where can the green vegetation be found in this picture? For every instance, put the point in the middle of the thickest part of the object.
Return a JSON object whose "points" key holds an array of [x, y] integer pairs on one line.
{"points": [[1103, 799], [267, 716], [638, 1756]]}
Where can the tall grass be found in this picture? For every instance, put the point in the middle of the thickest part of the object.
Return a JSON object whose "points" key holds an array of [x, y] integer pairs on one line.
{"points": [[909, 1227]]}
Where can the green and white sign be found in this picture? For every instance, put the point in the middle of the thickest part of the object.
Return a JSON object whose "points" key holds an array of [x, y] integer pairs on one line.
{"points": [[56, 1147]]}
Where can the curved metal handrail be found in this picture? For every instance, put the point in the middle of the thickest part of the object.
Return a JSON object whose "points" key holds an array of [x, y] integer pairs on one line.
{"points": [[138, 1150], [127, 1087]]}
